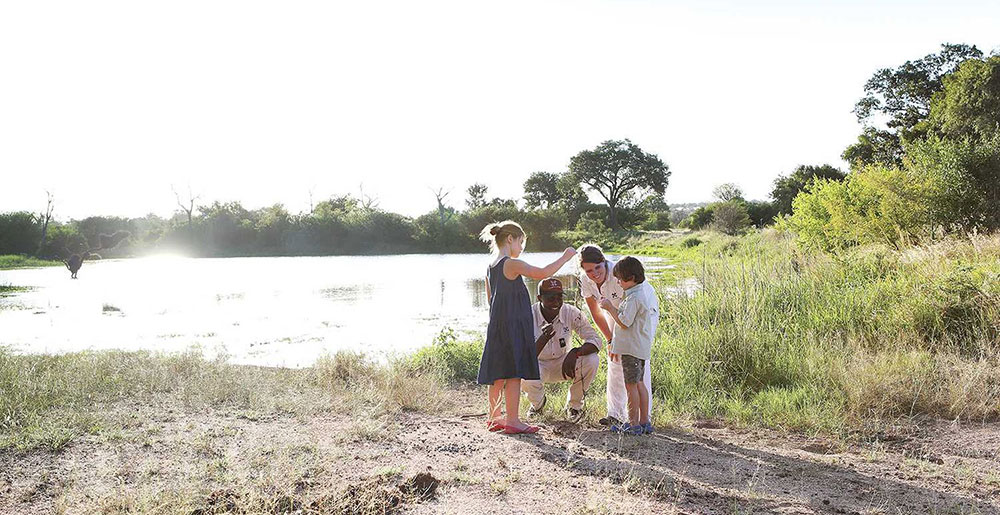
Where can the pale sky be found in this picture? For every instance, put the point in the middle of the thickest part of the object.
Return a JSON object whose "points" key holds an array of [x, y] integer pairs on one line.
{"points": [[108, 104]]}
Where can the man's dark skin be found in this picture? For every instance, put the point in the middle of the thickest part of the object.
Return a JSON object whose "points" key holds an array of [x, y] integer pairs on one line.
{"points": [[551, 303]]}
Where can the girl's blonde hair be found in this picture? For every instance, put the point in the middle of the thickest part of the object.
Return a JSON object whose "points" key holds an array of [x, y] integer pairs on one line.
{"points": [[496, 232]]}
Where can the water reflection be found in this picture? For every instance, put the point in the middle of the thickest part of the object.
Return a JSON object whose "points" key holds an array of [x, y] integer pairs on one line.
{"points": [[291, 311]]}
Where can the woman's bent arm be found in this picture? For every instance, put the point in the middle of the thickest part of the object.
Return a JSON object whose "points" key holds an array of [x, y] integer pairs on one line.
{"points": [[598, 315]]}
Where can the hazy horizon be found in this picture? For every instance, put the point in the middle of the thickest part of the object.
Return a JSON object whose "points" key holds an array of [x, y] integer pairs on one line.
{"points": [[109, 104]]}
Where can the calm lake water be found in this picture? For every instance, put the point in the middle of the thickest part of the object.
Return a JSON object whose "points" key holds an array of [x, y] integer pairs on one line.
{"points": [[284, 311]]}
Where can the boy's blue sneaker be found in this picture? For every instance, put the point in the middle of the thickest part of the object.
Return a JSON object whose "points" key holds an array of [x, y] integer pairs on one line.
{"points": [[636, 430], [622, 428], [647, 428]]}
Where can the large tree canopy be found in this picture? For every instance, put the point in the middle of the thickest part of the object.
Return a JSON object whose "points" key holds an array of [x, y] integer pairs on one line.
{"points": [[541, 190], [904, 94], [968, 105], [901, 97], [621, 173]]}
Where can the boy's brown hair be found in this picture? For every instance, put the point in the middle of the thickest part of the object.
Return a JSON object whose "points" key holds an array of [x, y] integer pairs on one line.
{"points": [[629, 268]]}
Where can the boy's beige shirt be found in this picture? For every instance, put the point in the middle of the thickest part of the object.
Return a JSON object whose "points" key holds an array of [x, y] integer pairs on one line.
{"points": [[640, 312]]}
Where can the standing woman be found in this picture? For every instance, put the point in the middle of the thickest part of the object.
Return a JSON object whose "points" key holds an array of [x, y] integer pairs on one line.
{"points": [[597, 284], [509, 354]]}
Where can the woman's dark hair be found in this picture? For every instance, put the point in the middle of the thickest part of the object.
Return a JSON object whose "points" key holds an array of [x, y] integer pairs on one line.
{"points": [[591, 253], [629, 268]]}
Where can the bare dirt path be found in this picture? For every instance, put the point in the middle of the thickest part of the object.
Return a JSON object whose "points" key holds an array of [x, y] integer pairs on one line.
{"points": [[219, 462]]}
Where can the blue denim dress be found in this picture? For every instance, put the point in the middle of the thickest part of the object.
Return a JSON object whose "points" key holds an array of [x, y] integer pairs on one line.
{"points": [[510, 337]]}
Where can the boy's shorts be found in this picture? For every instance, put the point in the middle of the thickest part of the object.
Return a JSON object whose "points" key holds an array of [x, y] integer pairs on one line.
{"points": [[633, 368]]}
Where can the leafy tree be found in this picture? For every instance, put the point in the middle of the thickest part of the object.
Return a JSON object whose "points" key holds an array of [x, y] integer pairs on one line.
{"points": [[762, 213], [541, 190], [226, 228], [433, 236], [573, 200], [874, 146], [902, 96], [699, 218], [969, 171], [544, 226], [968, 105], [272, 225], [787, 187], [18, 232], [620, 172], [477, 196], [507, 203], [727, 192]]}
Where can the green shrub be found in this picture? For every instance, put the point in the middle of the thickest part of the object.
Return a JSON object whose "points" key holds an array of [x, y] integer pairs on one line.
{"points": [[690, 242], [452, 359]]}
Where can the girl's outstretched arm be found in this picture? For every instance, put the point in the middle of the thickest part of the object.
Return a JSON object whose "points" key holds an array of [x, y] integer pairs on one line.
{"points": [[515, 267]]}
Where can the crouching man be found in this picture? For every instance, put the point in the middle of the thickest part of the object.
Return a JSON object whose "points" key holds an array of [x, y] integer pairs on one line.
{"points": [[558, 361]]}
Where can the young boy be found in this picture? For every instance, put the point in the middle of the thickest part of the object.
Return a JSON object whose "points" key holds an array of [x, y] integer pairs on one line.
{"points": [[635, 328]]}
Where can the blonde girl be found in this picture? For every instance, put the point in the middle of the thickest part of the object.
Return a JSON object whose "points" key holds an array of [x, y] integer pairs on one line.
{"points": [[509, 354]]}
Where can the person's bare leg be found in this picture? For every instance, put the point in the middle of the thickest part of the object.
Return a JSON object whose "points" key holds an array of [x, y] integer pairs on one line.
{"points": [[643, 395], [495, 390], [632, 389], [512, 397]]}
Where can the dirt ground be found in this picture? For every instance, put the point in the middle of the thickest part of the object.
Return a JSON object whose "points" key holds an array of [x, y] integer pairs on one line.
{"points": [[218, 462]]}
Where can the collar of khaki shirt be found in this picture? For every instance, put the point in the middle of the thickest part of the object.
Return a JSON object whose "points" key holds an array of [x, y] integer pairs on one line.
{"points": [[540, 319]]}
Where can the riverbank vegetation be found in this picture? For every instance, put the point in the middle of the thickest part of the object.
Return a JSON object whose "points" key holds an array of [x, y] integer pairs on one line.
{"points": [[772, 335]]}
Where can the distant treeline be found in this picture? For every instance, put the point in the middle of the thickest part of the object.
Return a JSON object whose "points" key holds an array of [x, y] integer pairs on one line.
{"points": [[555, 211]]}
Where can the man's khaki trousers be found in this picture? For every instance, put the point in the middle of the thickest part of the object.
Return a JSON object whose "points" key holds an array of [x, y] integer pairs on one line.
{"points": [[551, 372]]}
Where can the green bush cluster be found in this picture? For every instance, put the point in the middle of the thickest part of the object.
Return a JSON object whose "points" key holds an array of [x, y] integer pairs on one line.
{"points": [[943, 187]]}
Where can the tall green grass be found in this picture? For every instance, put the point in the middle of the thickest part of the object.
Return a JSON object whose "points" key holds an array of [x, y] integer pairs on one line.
{"points": [[813, 341]]}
